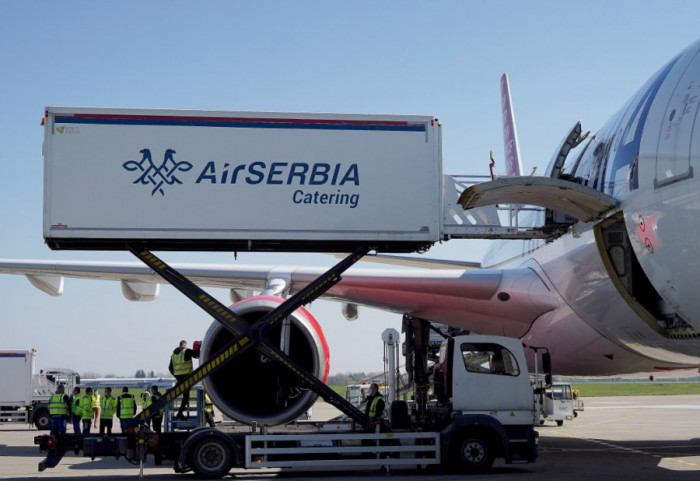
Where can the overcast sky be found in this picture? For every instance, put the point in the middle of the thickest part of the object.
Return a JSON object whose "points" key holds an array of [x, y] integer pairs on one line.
{"points": [[566, 61]]}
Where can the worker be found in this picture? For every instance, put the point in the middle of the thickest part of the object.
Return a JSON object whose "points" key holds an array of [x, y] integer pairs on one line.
{"points": [[59, 408], [89, 414], [145, 395], [108, 406], [96, 398], [146, 401], [375, 403], [126, 408], [157, 417], [208, 411], [181, 367], [75, 409]]}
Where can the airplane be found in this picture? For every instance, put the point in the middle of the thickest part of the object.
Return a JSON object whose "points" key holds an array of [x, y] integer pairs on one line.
{"points": [[612, 290]]}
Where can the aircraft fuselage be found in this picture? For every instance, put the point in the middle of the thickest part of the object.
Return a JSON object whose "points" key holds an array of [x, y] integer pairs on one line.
{"points": [[627, 284]]}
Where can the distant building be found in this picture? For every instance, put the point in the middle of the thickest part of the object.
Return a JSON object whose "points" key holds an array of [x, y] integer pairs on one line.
{"points": [[133, 383]]}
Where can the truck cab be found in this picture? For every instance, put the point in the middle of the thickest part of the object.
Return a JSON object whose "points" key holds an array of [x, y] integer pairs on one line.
{"points": [[483, 386]]}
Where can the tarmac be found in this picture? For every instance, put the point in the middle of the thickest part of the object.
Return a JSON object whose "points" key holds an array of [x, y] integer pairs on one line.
{"points": [[614, 438]]}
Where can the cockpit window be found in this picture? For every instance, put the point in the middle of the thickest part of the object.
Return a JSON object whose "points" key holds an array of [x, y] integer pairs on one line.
{"points": [[488, 358], [592, 161], [574, 158], [609, 162], [621, 174]]}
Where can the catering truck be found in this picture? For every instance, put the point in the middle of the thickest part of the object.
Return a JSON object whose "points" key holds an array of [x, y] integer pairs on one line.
{"points": [[145, 180], [25, 394], [153, 172], [478, 404]]}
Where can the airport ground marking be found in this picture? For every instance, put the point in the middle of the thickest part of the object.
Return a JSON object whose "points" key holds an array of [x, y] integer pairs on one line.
{"points": [[612, 446]]}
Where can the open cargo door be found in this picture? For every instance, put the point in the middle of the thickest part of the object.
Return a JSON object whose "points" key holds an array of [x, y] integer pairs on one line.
{"points": [[573, 199]]}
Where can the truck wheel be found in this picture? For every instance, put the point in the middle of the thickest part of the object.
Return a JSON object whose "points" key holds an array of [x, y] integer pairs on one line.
{"points": [[42, 420], [211, 458], [560, 423], [472, 453]]}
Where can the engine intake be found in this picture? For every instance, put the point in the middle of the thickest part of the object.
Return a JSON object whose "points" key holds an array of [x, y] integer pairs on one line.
{"points": [[251, 388]]}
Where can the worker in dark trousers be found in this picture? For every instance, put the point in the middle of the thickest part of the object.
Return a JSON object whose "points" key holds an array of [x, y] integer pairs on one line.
{"points": [[76, 410], [181, 367], [208, 411], [126, 408], [157, 417], [89, 415], [59, 408], [108, 406], [375, 403]]}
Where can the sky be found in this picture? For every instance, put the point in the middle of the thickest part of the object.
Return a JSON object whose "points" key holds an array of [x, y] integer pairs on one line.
{"points": [[566, 61]]}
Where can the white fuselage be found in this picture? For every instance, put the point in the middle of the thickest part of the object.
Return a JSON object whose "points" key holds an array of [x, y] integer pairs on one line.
{"points": [[627, 285]]}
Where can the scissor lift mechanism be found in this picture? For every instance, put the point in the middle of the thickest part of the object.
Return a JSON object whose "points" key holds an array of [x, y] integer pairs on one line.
{"points": [[247, 337]]}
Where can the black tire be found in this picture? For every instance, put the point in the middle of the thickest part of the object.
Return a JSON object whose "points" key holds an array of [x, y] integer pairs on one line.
{"points": [[472, 453], [211, 457], [560, 423], [42, 420]]}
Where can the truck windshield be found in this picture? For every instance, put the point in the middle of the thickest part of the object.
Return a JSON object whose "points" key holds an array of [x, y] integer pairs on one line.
{"points": [[488, 358], [562, 392]]}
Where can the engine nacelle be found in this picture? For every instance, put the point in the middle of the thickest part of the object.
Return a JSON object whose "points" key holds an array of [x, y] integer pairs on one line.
{"points": [[252, 388]]}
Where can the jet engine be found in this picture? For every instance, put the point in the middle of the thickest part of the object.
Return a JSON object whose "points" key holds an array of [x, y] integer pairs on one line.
{"points": [[251, 388]]}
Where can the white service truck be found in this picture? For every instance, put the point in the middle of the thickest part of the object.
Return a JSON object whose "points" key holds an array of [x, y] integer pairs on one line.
{"points": [[483, 407], [558, 404], [25, 394], [144, 180]]}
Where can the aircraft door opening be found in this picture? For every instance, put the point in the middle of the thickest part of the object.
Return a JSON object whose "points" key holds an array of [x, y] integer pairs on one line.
{"points": [[633, 284]]}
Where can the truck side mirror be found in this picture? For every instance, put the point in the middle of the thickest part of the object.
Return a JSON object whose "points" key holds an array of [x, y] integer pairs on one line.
{"points": [[547, 367]]}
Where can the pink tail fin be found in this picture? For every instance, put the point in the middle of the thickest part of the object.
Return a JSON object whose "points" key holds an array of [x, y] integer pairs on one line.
{"points": [[511, 147]]}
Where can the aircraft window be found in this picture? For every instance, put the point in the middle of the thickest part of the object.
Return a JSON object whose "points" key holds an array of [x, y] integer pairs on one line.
{"points": [[488, 358], [592, 161]]}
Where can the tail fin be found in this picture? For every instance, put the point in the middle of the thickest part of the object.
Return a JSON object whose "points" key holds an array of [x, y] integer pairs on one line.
{"points": [[514, 166]]}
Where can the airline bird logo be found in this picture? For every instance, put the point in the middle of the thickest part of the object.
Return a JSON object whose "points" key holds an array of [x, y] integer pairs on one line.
{"points": [[157, 175]]}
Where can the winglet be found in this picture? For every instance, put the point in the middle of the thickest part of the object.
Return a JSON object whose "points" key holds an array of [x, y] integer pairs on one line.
{"points": [[511, 147]]}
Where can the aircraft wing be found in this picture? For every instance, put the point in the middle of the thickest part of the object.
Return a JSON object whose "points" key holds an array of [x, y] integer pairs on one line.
{"points": [[407, 261], [504, 302]]}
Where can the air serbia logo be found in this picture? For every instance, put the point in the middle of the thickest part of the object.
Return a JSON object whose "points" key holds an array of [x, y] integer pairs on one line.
{"points": [[319, 183], [157, 175]]}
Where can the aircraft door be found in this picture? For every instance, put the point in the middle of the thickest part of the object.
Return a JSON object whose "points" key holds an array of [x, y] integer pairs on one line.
{"points": [[678, 129]]}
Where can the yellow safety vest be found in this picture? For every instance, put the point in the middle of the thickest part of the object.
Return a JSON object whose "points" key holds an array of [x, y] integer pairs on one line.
{"points": [[180, 365], [373, 406], [96, 400], [108, 406], [86, 406], [208, 405], [75, 406], [56, 405], [127, 407]]}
